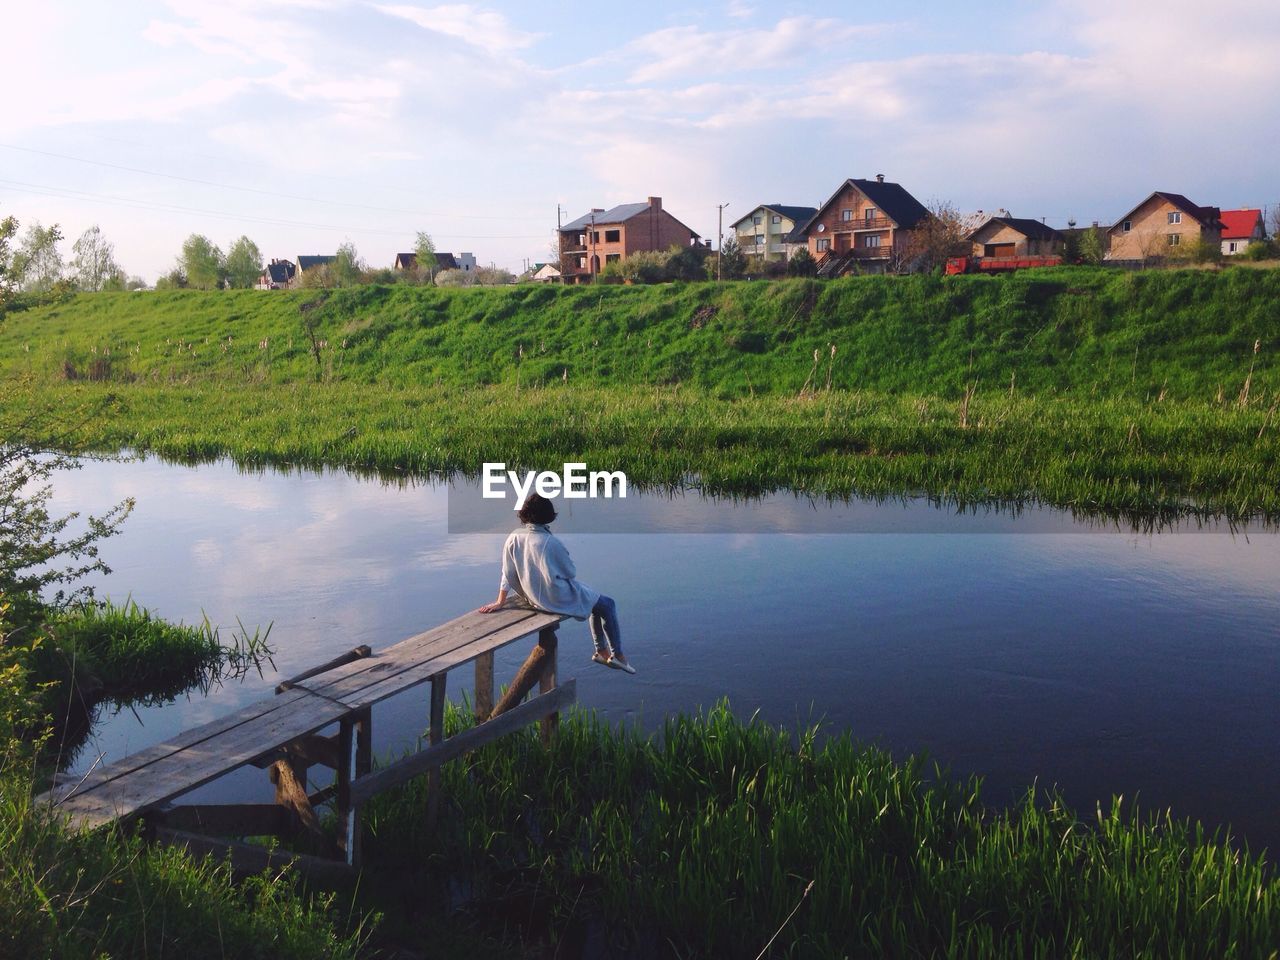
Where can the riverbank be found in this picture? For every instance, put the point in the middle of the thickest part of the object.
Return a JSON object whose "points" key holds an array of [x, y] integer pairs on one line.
{"points": [[1143, 394]]}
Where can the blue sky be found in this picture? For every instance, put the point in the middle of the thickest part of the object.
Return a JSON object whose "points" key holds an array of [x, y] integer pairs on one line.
{"points": [[304, 123]]}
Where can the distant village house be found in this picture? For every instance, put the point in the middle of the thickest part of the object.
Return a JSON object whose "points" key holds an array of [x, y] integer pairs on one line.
{"points": [[1005, 237], [1241, 228], [770, 230], [278, 275], [603, 236], [1164, 224], [409, 262], [866, 225]]}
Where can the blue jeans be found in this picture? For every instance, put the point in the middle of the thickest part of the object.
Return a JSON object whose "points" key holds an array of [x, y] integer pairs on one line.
{"points": [[604, 626]]}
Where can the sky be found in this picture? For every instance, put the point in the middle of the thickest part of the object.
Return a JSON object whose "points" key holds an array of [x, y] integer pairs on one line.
{"points": [[306, 123]]}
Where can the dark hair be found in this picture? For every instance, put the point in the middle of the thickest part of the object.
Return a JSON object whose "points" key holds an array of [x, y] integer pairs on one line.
{"points": [[536, 509]]}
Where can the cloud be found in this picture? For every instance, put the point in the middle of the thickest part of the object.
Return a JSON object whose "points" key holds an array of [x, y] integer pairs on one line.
{"points": [[486, 29]]}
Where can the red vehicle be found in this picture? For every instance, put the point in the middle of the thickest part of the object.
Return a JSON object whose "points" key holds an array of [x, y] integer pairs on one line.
{"points": [[958, 265]]}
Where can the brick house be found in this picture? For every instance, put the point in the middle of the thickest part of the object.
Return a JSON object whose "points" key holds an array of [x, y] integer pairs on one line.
{"points": [[1241, 228], [1004, 236], [602, 236], [1162, 225], [866, 224], [769, 230]]}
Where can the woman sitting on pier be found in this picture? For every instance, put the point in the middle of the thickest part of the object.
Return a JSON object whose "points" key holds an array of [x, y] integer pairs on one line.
{"points": [[537, 567]]}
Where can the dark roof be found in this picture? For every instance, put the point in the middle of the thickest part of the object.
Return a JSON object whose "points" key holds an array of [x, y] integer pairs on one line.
{"points": [[280, 271], [406, 261], [306, 263], [1028, 228], [445, 261], [799, 216], [618, 214], [891, 199], [1205, 216]]}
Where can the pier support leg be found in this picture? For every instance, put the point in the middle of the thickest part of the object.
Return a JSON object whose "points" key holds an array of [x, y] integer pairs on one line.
{"points": [[435, 734], [346, 814], [290, 779], [484, 686], [529, 673], [547, 680]]}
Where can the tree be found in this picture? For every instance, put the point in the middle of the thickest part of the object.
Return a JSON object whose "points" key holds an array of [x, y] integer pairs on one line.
{"points": [[1071, 243], [243, 264], [37, 265], [944, 233], [493, 277], [687, 262], [8, 230], [731, 263], [347, 266], [93, 262], [802, 264], [175, 279], [425, 251], [1093, 246], [203, 263]]}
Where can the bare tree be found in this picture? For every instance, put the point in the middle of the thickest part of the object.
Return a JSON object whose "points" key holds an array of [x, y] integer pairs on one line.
{"points": [[943, 233], [94, 264]]}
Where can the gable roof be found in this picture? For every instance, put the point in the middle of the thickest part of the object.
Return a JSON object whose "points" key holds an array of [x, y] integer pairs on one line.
{"points": [[1205, 216], [280, 271], [1239, 224], [307, 262], [797, 215], [1032, 229], [891, 199]]}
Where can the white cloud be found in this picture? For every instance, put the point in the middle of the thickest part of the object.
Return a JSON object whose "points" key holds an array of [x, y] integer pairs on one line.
{"points": [[486, 29]]}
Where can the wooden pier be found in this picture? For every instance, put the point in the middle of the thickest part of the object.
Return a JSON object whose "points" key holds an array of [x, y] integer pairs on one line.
{"points": [[284, 734]]}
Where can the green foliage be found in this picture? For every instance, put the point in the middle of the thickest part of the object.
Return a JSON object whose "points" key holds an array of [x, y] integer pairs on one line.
{"points": [[1093, 246], [93, 263], [1071, 252], [243, 264], [802, 264], [718, 833], [347, 266], [1260, 250], [731, 264], [202, 263], [424, 249], [37, 265]]}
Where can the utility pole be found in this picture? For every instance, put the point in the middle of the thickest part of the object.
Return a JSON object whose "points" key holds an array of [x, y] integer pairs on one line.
{"points": [[720, 242]]}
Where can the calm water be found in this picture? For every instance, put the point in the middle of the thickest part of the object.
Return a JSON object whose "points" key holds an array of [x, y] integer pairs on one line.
{"points": [[1022, 648]]}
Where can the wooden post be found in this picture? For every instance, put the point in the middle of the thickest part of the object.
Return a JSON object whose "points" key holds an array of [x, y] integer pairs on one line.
{"points": [[290, 779], [529, 673], [346, 815], [435, 734], [484, 686], [547, 681], [363, 763]]}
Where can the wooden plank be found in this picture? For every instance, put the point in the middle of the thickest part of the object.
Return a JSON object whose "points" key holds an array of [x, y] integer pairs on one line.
{"points": [[547, 680], [248, 858], [420, 672], [402, 770], [484, 686], [126, 766], [387, 662], [195, 766], [355, 653], [312, 750]]}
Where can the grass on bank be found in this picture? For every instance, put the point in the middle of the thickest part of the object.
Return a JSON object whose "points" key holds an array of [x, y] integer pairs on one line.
{"points": [[714, 835]]}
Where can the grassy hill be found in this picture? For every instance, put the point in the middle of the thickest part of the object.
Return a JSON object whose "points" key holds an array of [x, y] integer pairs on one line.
{"points": [[1189, 333]]}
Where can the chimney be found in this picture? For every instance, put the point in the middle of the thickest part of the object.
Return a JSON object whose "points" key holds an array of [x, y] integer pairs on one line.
{"points": [[597, 209], [879, 178], [655, 203]]}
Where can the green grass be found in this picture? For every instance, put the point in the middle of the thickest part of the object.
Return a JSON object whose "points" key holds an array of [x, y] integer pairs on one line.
{"points": [[702, 840], [1098, 391]]}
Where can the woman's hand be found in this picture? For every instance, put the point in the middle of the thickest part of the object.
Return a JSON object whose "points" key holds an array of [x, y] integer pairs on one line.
{"points": [[491, 607]]}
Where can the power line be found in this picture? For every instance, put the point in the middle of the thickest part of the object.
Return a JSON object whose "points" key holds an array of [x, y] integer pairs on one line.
{"points": [[254, 190], [67, 193]]}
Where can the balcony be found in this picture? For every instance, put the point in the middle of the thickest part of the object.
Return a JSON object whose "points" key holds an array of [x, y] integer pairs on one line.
{"points": [[875, 223]]}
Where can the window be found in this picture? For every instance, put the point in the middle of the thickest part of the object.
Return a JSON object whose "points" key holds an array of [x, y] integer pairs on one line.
{"points": [[1174, 239], [582, 239], [759, 240], [595, 236], [1175, 217], [1231, 248], [582, 263], [776, 219], [757, 220], [824, 244], [612, 236], [611, 257], [871, 241], [1128, 225], [870, 214], [846, 214]]}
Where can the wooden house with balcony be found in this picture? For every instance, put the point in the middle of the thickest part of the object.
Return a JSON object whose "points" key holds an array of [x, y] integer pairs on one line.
{"points": [[768, 231], [602, 236], [866, 226]]}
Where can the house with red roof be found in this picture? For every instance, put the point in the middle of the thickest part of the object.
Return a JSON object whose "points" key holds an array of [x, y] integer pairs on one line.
{"points": [[1241, 228]]}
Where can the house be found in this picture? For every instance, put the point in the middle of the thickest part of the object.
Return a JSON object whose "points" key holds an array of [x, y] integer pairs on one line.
{"points": [[866, 224], [768, 230], [278, 275], [1162, 225], [602, 236], [1241, 228], [1004, 236], [409, 261], [310, 262], [544, 273], [465, 262]]}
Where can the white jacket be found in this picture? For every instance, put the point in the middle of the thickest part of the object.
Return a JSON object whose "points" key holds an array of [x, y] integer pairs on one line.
{"points": [[537, 566]]}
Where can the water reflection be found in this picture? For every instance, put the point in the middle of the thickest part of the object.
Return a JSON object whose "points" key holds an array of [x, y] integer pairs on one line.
{"points": [[1125, 662]]}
